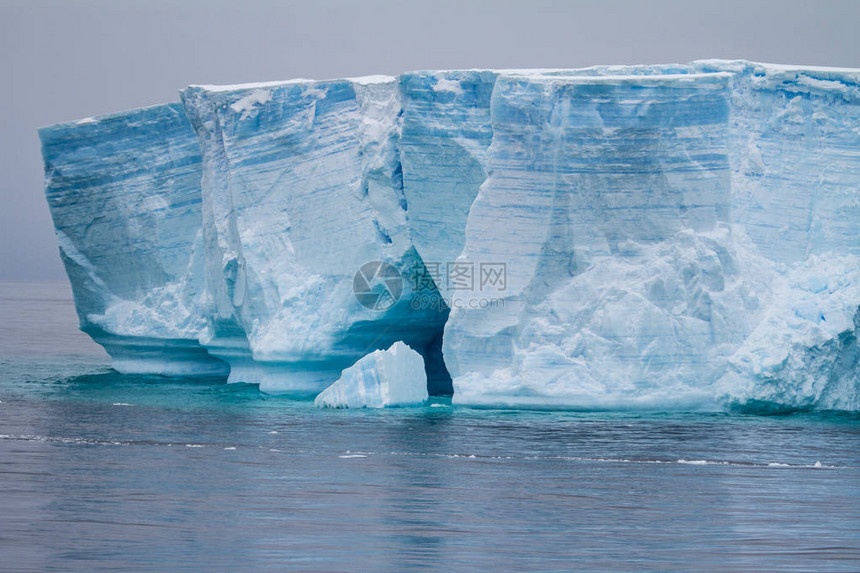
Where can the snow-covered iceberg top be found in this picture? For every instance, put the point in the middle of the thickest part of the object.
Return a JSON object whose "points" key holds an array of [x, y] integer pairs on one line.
{"points": [[664, 236]]}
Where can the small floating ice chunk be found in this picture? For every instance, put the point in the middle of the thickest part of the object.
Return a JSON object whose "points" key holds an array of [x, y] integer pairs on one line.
{"points": [[194, 446], [393, 377], [230, 448], [816, 464]]}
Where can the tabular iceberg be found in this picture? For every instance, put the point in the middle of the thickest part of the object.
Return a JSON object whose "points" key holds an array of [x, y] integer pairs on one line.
{"points": [[383, 378], [616, 236]]}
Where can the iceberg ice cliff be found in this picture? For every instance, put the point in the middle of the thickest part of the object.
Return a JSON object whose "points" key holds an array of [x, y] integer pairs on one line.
{"points": [[444, 137], [621, 284], [670, 236], [301, 187], [124, 192]]}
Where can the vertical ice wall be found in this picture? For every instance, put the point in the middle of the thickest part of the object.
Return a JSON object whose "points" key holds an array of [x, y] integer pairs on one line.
{"points": [[608, 202], [303, 187], [444, 138], [779, 307], [223, 334], [124, 193], [795, 158], [446, 131]]}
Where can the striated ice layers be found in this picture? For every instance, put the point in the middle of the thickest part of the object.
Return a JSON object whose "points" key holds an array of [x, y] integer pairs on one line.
{"points": [[677, 236], [620, 289], [124, 192], [383, 378], [671, 241], [302, 186]]}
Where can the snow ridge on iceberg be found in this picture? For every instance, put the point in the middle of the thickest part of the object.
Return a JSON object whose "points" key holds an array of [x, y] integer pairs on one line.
{"points": [[671, 236]]}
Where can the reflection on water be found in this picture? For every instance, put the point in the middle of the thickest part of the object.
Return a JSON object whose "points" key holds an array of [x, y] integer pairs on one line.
{"points": [[100, 471], [104, 471], [39, 318]]}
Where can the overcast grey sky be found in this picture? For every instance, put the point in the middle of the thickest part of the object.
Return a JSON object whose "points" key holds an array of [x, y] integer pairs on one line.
{"points": [[62, 61]]}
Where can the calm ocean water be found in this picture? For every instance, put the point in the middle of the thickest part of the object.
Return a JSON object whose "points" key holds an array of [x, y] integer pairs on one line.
{"points": [[100, 471]]}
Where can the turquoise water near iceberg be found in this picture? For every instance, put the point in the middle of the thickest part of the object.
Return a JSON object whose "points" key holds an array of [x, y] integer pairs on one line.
{"points": [[101, 471]]}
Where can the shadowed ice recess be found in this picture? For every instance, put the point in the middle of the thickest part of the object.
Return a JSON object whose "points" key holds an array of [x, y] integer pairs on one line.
{"points": [[647, 237]]}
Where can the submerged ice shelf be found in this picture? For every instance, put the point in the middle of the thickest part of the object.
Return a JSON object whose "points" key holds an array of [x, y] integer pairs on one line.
{"points": [[672, 236]]}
